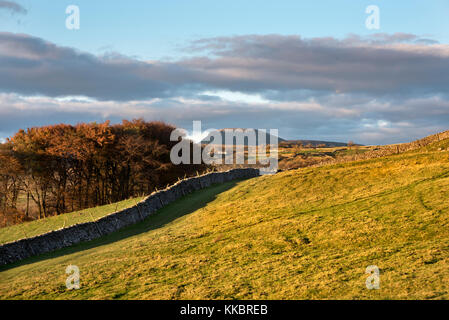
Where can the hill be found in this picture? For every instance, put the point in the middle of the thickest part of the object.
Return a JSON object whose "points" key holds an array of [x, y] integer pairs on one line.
{"points": [[268, 137], [316, 143], [300, 234]]}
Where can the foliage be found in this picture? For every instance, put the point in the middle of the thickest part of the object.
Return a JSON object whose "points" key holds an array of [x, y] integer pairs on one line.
{"points": [[63, 168]]}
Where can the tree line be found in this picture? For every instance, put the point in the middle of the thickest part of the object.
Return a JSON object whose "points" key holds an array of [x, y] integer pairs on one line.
{"points": [[63, 168]]}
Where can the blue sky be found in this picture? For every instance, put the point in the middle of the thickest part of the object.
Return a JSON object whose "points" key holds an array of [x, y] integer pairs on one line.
{"points": [[298, 66], [157, 29]]}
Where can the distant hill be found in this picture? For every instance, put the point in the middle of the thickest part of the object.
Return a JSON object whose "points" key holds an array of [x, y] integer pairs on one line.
{"points": [[328, 144], [268, 138], [271, 138]]}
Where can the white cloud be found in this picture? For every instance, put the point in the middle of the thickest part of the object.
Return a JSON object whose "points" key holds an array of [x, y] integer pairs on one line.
{"points": [[372, 122], [234, 96]]}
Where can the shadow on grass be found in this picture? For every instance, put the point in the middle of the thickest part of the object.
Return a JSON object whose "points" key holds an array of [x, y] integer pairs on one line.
{"points": [[179, 208]]}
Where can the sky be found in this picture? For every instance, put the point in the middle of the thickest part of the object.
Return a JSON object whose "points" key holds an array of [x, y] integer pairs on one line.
{"points": [[311, 69]]}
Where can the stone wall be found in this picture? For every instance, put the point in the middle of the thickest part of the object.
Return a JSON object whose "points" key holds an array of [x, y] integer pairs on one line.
{"points": [[383, 151], [22, 249]]}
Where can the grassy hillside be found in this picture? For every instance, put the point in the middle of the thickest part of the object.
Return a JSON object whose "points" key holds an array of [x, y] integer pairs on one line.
{"points": [[304, 234]]}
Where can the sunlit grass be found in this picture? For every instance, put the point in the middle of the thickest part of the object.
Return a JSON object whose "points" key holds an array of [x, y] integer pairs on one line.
{"points": [[303, 234], [37, 227]]}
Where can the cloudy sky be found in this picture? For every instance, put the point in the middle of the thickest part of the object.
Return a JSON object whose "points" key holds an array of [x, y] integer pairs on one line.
{"points": [[313, 70]]}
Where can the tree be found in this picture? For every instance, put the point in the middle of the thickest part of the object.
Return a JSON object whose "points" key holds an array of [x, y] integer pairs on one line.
{"points": [[64, 168]]}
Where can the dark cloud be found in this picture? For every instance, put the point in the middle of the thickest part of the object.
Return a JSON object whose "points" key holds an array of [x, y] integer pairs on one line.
{"points": [[30, 66], [12, 7], [272, 64], [383, 64]]}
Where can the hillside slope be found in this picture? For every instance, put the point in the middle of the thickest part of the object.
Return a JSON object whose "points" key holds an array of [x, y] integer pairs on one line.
{"points": [[41, 226], [302, 234]]}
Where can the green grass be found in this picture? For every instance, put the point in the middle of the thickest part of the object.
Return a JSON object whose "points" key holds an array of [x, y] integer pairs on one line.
{"points": [[303, 234], [37, 227]]}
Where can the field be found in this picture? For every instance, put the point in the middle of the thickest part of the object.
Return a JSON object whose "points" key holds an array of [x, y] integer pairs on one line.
{"points": [[295, 157], [300, 234], [37, 227]]}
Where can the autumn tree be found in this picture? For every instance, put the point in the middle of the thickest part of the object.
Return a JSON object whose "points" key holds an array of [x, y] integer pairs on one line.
{"points": [[63, 168]]}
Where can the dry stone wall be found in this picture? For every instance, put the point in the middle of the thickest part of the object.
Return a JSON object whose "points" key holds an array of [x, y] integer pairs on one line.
{"points": [[383, 151], [25, 248]]}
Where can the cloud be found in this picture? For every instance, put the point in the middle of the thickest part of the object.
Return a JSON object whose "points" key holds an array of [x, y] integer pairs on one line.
{"points": [[365, 121], [372, 90], [12, 7], [272, 65], [382, 64], [30, 65]]}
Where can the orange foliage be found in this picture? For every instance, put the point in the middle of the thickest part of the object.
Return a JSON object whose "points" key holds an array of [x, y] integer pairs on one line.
{"points": [[63, 168]]}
